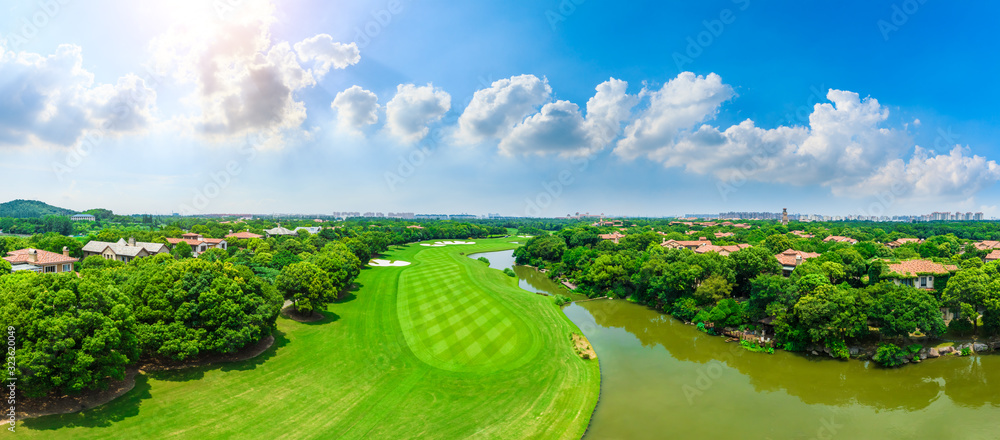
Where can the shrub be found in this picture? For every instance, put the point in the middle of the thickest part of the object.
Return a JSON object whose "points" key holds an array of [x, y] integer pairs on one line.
{"points": [[889, 355], [838, 349], [561, 299], [966, 351], [685, 308], [750, 346], [484, 260], [510, 272], [960, 327]]}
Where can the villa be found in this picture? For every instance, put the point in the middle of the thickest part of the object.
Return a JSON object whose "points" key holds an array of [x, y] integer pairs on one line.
{"points": [[681, 244], [725, 251], [37, 260], [839, 239], [900, 242], [122, 250], [791, 258], [243, 235], [919, 273], [614, 236], [199, 244], [279, 232]]}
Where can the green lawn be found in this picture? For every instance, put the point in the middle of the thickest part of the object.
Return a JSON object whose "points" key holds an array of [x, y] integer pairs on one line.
{"points": [[444, 348]]}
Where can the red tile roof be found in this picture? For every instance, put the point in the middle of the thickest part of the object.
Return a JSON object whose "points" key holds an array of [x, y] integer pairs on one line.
{"points": [[244, 235], [995, 255], [686, 244], [917, 267], [840, 239], [44, 257], [790, 257], [987, 244], [721, 250]]}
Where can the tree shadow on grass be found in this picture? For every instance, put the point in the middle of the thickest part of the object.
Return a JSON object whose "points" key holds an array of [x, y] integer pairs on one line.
{"points": [[102, 416], [198, 372], [349, 293]]}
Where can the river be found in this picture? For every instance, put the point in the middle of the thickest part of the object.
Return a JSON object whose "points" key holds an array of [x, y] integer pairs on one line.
{"points": [[662, 379], [528, 278]]}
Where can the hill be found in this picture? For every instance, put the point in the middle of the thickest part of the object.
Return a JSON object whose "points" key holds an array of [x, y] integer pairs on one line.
{"points": [[31, 209]]}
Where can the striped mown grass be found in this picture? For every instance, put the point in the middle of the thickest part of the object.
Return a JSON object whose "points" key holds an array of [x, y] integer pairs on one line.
{"points": [[445, 348]]}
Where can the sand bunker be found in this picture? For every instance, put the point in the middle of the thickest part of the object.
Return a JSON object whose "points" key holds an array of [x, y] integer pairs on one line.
{"points": [[445, 243], [387, 263]]}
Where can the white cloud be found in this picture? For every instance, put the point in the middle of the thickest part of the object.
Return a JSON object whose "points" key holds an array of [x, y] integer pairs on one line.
{"points": [[327, 53], [245, 82], [844, 142], [557, 128], [356, 108], [679, 105], [494, 111], [560, 128], [52, 99], [413, 108], [928, 176]]}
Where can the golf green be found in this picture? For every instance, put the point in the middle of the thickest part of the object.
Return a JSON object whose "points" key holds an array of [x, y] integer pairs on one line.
{"points": [[445, 348]]}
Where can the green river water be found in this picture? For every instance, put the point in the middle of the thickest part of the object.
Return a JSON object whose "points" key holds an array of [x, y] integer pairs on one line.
{"points": [[662, 379]]}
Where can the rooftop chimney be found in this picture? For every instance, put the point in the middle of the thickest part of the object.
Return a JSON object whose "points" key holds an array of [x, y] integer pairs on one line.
{"points": [[131, 241], [798, 259], [33, 256], [65, 251]]}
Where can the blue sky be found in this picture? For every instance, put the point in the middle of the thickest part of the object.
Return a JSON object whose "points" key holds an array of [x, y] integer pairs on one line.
{"points": [[521, 108]]}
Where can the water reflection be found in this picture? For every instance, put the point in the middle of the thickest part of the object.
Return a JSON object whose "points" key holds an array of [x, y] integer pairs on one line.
{"points": [[528, 278], [645, 353]]}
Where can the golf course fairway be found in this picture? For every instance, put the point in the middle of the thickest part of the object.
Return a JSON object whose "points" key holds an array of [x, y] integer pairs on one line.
{"points": [[445, 348]]}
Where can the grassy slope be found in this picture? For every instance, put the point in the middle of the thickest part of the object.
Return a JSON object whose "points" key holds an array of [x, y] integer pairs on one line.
{"points": [[354, 376]]}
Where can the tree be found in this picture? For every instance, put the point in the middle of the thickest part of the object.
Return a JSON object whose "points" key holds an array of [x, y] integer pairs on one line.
{"points": [[181, 250], [903, 310], [214, 254], [306, 285], [749, 263], [712, 290], [59, 224], [967, 292], [832, 313], [777, 243], [768, 289], [5, 267], [193, 307], [72, 334]]}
